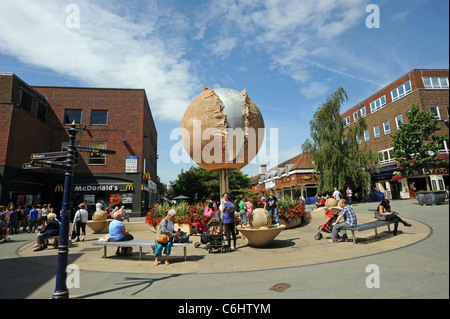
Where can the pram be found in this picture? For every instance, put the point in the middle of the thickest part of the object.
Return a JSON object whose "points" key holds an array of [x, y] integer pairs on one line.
{"points": [[332, 213], [198, 227], [213, 237], [3, 232]]}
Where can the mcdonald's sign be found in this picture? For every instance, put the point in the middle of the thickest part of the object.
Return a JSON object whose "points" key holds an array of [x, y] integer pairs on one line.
{"points": [[147, 177], [59, 189], [129, 188]]}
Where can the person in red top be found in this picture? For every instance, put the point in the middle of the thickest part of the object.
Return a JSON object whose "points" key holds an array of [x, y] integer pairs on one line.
{"points": [[320, 202]]}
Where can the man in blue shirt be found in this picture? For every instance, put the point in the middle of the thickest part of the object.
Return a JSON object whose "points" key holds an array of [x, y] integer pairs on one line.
{"points": [[349, 217]]}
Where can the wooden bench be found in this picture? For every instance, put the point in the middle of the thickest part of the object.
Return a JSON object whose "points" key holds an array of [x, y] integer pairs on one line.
{"points": [[372, 225], [137, 243]]}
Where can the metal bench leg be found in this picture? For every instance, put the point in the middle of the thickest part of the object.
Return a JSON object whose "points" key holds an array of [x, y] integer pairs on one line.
{"points": [[354, 238], [185, 253], [376, 233], [104, 251], [140, 253]]}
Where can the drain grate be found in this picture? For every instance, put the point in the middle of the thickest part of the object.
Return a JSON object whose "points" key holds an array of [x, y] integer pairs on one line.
{"points": [[281, 287], [91, 249]]}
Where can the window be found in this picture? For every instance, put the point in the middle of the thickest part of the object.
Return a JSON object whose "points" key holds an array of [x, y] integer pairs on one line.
{"points": [[401, 91], [386, 156], [97, 159], [347, 121], [358, 138], [435, 82], [366, 136], [435, 111], [40, 110], [99, 117], [72, 115], [360, 113], [398, 120], [25, 99], [386, 127], [376, 131], [378, 104]]}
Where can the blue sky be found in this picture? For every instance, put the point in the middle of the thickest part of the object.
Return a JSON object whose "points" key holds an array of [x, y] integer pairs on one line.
{"points": [[288, 54]]}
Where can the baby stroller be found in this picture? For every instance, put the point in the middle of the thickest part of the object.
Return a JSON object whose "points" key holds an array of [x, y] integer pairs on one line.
{"points": [[213, 237], [3, 232], [327, 227]]}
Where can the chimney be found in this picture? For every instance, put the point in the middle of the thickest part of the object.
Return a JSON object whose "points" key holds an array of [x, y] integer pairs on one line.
{"points": [[263, 169]]}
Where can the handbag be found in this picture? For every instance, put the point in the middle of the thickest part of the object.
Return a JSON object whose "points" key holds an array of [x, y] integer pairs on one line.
{"points": [[208, 212], [74, 232], [162, 238]]}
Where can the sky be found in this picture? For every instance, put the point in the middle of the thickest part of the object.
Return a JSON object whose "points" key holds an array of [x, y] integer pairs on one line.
{"points": [[288, 54]]}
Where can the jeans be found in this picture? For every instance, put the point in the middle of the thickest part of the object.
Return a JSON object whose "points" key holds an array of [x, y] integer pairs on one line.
{"points": [[81, 226], [274, 214], [167, 248], [337, 230], [229, 229]]}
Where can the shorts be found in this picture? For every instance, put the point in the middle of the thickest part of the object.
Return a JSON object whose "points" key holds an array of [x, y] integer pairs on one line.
{"points": [[243, 218]]}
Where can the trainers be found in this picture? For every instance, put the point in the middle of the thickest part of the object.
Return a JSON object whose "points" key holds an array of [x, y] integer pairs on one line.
{"points": [[332, 241]]}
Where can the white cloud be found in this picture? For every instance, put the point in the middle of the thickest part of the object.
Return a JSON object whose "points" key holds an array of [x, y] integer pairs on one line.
{"points": [[314, 90], [106, 50]]}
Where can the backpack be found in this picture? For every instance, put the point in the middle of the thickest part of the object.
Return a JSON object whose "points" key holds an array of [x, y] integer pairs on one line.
{"points": [[181, 237]]}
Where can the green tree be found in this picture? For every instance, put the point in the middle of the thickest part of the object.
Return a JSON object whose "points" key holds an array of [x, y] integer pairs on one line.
{"points": [[198, 183], [336, 152], [415, 143]]}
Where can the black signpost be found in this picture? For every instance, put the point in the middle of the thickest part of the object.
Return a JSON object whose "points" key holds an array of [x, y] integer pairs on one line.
{"points": [[63, 161]]}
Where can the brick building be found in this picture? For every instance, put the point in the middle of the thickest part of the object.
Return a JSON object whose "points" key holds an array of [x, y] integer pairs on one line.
{"points": [[36, 120], [385, 109], [294, 177]]}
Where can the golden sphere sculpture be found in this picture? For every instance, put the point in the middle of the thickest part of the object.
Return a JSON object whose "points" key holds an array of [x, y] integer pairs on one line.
{"points": [[222, 129]]}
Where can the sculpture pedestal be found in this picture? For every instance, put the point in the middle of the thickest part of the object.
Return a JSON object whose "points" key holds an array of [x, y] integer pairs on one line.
{"points": [[99, 227], [261, 237]]}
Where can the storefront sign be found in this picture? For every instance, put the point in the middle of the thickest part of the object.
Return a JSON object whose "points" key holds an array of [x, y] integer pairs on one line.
{"points": [[127, 198], [429, 171], [131, 164], [96, 188], [114, 199]]}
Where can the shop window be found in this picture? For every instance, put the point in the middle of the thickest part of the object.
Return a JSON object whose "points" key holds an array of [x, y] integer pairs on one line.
{"points": [[72, 115], [97, 159], [99, 117]]}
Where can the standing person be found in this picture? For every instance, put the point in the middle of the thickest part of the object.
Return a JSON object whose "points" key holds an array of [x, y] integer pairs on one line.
{"points": [[249, 211], [337, 194], [243, 212], [19, 217], [349, 217], [43, 216], [3, 223], [213, 204], [33, 219], [12, 219], [80, 219], [228, 220], [349, 196], [384, 212], [25, 217], [117, 232], [98, 206], [166, 227], [271, 206], [262, 199]]}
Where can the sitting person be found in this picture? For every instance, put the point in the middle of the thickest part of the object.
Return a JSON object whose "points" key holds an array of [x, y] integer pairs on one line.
{"points": [[165, 227], [320, 202], [346, 218], [50, 230], [384, 212], [117, 232]]}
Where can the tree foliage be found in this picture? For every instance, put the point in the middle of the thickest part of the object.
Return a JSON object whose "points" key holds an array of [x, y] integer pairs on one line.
{"points": [[198, 183], [415, 143], [336, 153]]}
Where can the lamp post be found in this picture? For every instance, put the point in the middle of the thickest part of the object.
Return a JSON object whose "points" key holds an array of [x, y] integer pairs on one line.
{"points": [[61, 291]]}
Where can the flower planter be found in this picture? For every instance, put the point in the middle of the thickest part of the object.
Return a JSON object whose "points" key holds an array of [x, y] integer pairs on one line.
{"points": [[296, 222], [431, 198]]}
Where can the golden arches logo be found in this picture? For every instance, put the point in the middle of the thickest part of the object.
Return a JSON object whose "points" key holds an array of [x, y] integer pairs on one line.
{"points": [[147, 177], [129, 188], [59, 189]]}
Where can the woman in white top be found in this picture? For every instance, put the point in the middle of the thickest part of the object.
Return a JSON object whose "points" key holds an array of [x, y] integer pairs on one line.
{"points": [[80, 220]]}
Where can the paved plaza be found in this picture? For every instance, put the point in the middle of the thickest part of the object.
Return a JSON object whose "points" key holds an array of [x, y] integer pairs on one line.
{"points": [[412, 265]]}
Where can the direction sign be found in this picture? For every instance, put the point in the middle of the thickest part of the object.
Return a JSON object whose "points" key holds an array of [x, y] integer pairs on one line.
{"points": [[94, 150], [49, 155], [49, 165]]}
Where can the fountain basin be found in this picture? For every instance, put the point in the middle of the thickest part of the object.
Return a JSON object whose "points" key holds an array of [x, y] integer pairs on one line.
{"points": [[99, 227], [261, 237]]}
